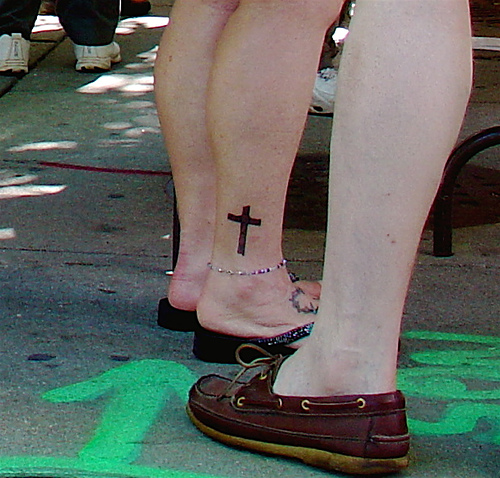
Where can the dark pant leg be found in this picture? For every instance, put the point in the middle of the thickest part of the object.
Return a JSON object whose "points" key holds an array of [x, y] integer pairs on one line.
{"points": [[89, 22], [18, 16]]}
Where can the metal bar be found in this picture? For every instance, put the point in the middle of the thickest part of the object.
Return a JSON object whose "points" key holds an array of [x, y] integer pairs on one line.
{"points": [[443, 210]]}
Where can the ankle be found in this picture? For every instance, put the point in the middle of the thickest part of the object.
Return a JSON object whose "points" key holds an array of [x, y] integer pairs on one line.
{"points": [[240, 293], [249, 306], [340, 373]]}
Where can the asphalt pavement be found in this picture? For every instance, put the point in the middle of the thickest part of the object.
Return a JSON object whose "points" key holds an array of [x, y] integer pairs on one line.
{"points": [[90, 386]]}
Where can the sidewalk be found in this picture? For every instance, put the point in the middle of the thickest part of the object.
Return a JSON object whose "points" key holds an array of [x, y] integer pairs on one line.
{"points": [[90, 386]]}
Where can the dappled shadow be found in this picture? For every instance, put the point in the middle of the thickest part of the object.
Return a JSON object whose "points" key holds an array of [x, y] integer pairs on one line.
{"points": [[476, 199], [132, 82], [46, 23], [44, 146], [130, 25], [50, 23], [127, 84], [13, 185]]}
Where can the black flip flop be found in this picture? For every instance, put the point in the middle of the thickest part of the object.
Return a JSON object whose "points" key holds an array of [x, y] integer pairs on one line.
{"points": [[172, 318], [219, 348]]}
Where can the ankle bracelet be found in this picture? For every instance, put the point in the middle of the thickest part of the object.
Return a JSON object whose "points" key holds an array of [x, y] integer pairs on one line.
{"points": [[281, 264]]}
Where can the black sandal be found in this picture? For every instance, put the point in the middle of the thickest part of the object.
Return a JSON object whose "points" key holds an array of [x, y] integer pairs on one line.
{"points": [[172, 318], [220, 348]]}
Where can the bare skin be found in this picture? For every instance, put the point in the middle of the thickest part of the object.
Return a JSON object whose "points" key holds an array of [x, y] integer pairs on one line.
{"points": [[216, 78], [403, 89], [404, 84]]}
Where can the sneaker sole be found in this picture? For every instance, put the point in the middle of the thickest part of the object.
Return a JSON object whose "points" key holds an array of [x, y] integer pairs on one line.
{"points": [[311, 456], [96, 64], [13, 67]]}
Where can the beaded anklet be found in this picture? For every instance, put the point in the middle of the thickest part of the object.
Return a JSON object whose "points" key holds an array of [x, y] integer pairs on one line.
{"points": [[281, 264]]}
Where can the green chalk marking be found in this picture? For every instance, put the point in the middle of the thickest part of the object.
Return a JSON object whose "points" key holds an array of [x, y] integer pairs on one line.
{"points": [[462, 418], [137, 393], [446, 376], [445, 337], [42, 466], [447, 383]]}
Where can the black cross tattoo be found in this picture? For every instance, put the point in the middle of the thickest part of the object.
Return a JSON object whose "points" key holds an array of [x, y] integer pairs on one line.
{"points": [[245, 220]]}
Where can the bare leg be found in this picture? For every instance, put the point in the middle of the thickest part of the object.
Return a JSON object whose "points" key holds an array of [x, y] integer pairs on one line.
{"points": [[185, 61], [403, 88], [258, 98], [182, 73]]}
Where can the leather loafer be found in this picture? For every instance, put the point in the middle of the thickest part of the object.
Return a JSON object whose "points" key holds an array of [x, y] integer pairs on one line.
{"points": [[357, 434]]}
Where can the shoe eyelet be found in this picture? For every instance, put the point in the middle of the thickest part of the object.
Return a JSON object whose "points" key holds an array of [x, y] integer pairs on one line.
{"points": [[305, 404], [240, 401], [361, 402], [263, 376], [280, 403]]}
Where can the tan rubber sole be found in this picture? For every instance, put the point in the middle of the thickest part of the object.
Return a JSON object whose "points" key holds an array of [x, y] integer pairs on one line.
{"points": [[318, 458]]}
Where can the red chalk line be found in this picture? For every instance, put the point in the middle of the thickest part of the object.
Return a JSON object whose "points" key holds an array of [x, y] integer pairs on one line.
{"points": [[95, 169]]}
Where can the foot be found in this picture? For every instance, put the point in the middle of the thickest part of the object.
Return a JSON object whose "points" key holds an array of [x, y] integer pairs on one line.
{"points": [[298, 376], [349, 370], [14, 54], [357, 433], [186, 285], [96, 58], [259, 306]]}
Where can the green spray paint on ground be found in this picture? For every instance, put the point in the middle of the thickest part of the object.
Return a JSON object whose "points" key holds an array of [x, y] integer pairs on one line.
{"points": [[136, 394], [445, 377], [41, 466]]}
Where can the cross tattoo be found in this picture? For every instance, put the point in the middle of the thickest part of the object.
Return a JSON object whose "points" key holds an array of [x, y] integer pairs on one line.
{"points": [[245, 220]]}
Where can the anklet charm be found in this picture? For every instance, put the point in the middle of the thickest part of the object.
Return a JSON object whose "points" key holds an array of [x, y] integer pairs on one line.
{"points": [[281, 264]]}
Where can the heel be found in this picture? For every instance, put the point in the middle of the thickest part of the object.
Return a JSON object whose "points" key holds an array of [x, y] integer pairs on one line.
{"points": [[172, 318]]}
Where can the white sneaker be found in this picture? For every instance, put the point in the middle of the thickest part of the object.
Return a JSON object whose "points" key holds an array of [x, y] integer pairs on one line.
{"points": [[96, 58], [14, 53], [323, 96]]}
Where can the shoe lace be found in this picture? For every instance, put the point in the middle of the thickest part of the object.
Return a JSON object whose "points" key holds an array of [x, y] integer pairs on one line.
{"points": [[268, 361]]}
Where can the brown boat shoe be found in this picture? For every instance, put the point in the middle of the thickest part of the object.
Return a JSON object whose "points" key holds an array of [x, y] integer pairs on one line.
{"points": [[357, 434]]}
